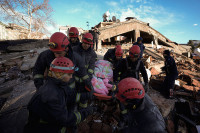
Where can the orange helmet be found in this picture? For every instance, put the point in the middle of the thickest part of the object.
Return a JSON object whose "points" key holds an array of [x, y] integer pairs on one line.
{"points": [[130, 88], [62, 64], [58, 42], [73, 32], [87, 38]]}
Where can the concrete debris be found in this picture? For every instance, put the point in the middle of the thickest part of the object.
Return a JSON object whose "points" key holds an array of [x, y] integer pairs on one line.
{"points": [[154, 71]]}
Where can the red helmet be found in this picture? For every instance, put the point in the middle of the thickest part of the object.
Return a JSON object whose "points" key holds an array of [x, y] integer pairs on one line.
{"points": [[87, 38], [73, 32], [130, 88], [134, 51], [58, 42], [118, 51], [62, 64]]}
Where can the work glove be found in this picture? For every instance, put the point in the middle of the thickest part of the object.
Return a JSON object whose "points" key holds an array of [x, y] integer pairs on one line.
{"points": [[89, 85], [162, 68], [87, 96], [87, 111], [124, 118], [146, 87], [38, 82]]}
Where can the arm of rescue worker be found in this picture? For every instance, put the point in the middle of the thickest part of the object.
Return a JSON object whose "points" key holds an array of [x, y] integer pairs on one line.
{"points": [[144, 72], [123, 68], [108, 56], [61, 115], [39, 69], [92, 65], [77, 60], [78, 97]]}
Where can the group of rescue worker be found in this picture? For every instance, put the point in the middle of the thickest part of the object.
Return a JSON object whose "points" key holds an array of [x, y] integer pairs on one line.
{"points": [[62, 73]]}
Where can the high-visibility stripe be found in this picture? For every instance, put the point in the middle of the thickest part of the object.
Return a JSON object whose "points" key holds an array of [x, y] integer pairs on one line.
{"points": [[86, 66], [90, 71], [37, 76], [85, 77], [76, 78], [78, 97], [83, 105], [43, 122], [124, 111], [62, 68], [63, 130], [114, 88], [118, 78], [119, 73], [72, 85], [78, 117]]}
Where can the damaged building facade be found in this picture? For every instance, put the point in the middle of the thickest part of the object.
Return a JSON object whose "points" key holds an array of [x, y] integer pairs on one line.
{"points": [[131, 29]]}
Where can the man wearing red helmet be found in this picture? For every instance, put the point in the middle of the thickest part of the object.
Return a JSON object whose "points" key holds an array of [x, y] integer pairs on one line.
{"points": [[50, 108], [59, 47], [115, 57], [73, 36], [132, 66], [87, 53], [139, 114], [110, 54]]}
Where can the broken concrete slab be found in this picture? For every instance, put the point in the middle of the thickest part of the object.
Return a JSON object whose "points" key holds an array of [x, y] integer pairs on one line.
{"points": [[154, 71], [195, 83], [14, 112], [165, 105], [28, 46]]}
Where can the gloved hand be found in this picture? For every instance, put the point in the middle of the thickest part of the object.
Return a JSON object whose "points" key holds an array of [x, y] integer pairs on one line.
{"points": [[87, 111], [124, 120], [89, 85], [87, 96], [38, 82], [162, 68], [146, 87]]}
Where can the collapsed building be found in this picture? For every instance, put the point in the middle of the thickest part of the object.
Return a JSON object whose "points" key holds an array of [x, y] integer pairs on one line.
{"points": [[131, 29]]}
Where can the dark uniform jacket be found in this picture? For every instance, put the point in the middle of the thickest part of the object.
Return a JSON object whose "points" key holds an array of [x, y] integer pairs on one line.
{"points": [[49, 108], [132, 69], [110, 55], [142, 47], [76, 43], [117, 74], [46, 57], [145, 119], [88, 56], [170, 66]]}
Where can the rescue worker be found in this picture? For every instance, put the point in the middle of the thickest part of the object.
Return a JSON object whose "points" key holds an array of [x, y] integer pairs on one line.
{"points": [[139, 114], [96, 37], [110, 54], [88, 55], [73, 36], [117, 62], [50, 107], [59, 47], [133, 65], [171, 74], [141, 45]]}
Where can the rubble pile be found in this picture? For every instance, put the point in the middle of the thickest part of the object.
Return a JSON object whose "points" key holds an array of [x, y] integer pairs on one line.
{"points": [[16, 66]]}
